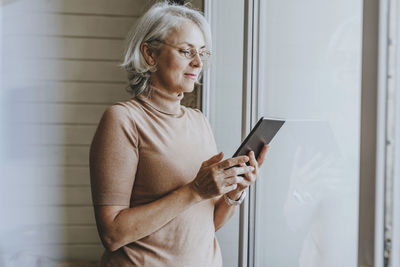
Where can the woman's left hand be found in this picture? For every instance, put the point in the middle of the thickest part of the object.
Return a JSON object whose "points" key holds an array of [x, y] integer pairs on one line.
{"points": [[250, 177]]}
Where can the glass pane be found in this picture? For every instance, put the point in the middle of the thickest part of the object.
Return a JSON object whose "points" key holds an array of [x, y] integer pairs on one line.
{"points": [[307, 195]]}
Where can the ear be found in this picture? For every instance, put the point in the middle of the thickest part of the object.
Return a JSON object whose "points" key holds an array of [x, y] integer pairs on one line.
{"points": [[148, 54]]}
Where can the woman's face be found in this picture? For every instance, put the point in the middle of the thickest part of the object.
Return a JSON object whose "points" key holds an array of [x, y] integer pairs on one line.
{"points": [[175, 72]]}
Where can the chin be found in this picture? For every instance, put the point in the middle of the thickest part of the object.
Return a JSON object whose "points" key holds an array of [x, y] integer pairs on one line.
{"points": [[187, 89]]}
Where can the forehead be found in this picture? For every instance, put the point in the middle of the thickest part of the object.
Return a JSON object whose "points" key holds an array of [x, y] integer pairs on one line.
{"points": [[187, 33]]}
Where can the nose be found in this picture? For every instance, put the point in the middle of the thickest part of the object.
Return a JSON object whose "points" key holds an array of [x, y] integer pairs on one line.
{"points": [[196, 61]]}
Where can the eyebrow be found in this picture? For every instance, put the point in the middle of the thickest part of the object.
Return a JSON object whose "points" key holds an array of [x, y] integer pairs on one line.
{"points": [[191, 45]]}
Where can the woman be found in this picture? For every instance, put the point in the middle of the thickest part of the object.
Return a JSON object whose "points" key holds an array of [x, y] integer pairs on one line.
{"points": [[157, 179]]}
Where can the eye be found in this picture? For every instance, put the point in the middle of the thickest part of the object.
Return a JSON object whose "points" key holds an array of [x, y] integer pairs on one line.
{"points": [[185, 52], [204, 54]]}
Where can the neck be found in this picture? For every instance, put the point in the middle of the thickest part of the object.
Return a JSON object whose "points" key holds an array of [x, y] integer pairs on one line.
{"points": [[171, 92], [164, 101]]}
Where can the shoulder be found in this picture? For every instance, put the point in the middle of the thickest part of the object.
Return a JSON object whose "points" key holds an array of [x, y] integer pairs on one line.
{"points": [[116, 111], [197, 114], [117, 122], [194, 112], [120, 115], [124, 110]]}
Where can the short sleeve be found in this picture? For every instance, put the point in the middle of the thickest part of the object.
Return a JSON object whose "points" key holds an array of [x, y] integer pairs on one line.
{"points": [[114, 158]]}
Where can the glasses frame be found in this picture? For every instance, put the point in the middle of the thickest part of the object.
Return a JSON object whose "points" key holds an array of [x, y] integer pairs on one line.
{"points": [[190, 53]]}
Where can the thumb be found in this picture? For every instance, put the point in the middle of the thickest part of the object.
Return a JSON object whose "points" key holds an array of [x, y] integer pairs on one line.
{"points": [[214, 159]]}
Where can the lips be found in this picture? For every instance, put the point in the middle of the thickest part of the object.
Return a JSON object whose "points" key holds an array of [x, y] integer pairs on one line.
{"points": [[191, 75]]}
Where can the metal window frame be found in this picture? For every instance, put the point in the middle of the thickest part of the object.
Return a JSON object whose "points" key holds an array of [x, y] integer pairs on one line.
{"points": [[205, 94], [371, 244], [395, 237], [249, 116], [395, 260]]}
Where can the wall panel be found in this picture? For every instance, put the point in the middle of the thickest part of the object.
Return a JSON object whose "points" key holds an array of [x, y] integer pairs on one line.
{"points": [[60, 71], [75, 25]]}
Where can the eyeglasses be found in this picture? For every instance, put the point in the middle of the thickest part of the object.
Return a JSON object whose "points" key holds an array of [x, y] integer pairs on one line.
{"points": [[190, 53]]}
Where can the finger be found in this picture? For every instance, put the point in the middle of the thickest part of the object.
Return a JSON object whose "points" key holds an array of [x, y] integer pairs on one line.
{"points": [[232, 162], [237, 171], [229, 188], [246, 175], [233, 180], [214, 159], [261, 157], [253, 161]]}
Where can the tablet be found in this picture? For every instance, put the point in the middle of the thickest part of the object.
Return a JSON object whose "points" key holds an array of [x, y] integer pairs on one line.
{"points": [[262, 134]]}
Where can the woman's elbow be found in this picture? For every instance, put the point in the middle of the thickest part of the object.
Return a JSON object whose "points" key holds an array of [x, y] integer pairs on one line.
{"points": [[111, 236], [110, 242]]}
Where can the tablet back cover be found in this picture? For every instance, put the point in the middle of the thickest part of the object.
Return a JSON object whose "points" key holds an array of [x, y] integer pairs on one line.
{"points": [[260, 135]]}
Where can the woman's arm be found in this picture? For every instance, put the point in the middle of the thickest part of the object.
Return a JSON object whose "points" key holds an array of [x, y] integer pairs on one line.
{"points": [[223, 211], [121, 225]]}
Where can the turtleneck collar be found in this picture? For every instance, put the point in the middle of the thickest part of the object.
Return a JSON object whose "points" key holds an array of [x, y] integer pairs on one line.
{"points": [[163, 101]]}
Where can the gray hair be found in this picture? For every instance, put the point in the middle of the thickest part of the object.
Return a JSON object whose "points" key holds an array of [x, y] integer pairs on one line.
{"points": [[154, 25]]}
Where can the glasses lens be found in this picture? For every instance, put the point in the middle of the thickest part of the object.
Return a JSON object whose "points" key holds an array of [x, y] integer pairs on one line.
{"points": [[204, 55], [192, 52]]}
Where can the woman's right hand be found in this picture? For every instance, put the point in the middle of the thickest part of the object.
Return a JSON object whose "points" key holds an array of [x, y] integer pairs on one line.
{"points": [[217, 177]]}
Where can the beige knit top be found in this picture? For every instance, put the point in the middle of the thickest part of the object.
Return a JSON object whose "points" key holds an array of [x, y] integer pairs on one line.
{"points": [[164, 144]]}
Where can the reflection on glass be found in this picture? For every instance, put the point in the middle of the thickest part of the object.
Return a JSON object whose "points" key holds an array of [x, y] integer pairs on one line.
{"points": [[307, 195], [306, 199]]}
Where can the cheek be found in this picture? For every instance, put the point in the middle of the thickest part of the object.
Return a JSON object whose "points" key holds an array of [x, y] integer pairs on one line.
{"points": [[174, 63], [174, 72], [176, 66], [172, 69]]}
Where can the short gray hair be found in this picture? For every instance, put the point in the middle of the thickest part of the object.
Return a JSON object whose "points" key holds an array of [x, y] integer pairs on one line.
{"points": [[154, 25]]}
